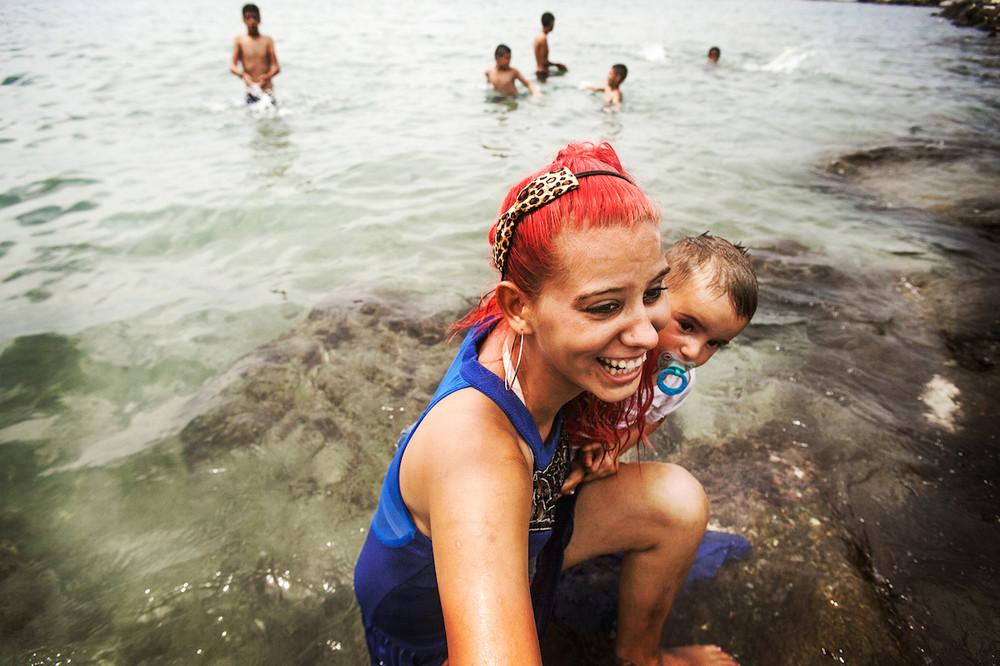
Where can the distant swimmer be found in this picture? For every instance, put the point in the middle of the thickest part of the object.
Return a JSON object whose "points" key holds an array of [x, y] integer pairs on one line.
{"points": [[713, 55], [612, 91], [502, 76], [541, 45], [255, 52]]}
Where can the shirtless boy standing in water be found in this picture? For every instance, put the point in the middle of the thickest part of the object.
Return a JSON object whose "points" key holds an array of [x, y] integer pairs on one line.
{"points": [[255, 52], [502, 76], [541, 44]]}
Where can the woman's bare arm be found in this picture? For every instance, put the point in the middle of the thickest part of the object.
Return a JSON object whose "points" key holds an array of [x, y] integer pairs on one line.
{"points": [[479, 504]]}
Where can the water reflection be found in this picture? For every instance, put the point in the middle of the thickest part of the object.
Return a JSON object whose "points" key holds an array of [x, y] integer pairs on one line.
{"points": [[273, 149]]}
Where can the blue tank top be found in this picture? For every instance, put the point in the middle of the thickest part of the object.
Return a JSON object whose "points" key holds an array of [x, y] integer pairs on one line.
{"points": [[394, 579]]}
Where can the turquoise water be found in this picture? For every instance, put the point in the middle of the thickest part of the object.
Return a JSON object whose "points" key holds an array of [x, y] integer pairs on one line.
{"points": [[153, 231]]}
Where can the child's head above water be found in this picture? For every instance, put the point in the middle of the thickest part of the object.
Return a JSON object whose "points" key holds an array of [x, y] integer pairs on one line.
{"points": [[548, 21], [502, 55], [617, 75], [712, 291], [251, 18]]}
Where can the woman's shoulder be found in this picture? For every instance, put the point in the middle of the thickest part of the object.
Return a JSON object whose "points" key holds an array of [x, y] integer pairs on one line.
{"points": [[464, 448], [468, 423]]}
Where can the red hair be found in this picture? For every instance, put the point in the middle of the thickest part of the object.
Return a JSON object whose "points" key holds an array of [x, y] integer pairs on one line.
{"points": [[599, 202]]}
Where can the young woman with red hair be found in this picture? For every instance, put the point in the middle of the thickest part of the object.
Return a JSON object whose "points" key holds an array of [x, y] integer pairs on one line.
{"points": [[460, 563]]}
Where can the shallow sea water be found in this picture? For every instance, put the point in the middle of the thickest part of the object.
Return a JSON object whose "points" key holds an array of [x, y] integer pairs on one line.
{"points": [[153, 232]]}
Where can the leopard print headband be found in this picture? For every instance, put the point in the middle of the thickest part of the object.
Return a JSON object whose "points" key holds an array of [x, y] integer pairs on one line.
{"points": [[534, 195]]}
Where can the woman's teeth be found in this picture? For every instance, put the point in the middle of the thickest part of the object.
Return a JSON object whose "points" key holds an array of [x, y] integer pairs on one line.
{"points": [[617, 366]]}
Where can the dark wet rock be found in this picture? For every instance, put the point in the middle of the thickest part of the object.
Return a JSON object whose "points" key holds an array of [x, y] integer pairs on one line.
{"points": [[982, 211], [908, 475], [795, 280], [965, 310], [851, 165], [955, 182], [916, 3], [981, 14]]}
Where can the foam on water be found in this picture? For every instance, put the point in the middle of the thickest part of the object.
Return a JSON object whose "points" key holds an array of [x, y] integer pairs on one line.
{"points": [[653, 52]]}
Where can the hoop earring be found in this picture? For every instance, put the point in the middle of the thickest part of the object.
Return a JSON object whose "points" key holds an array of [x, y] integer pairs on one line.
{"points": [[510, 370]]}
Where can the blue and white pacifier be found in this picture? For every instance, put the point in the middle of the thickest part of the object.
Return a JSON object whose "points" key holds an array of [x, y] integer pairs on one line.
{"points": [[673, 378]]}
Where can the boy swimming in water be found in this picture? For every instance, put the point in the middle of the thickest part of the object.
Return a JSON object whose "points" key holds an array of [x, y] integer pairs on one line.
{"points": [[712, 290], [612, 91], [541, 46], [255, 53], [502, 76]]}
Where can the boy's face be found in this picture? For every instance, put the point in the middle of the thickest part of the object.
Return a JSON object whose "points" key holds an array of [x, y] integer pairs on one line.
{"points": [[251, 21], [503, 62], [613, 78], [702, 320]]}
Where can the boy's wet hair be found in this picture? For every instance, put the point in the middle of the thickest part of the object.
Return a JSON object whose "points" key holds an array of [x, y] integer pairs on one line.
{"points": [[501, 50], [547, 19], [251, 9], [727, 264], [621, 70]]}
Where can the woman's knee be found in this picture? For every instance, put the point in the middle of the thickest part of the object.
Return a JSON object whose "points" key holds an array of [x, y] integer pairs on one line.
{"points": [[674, 498]]}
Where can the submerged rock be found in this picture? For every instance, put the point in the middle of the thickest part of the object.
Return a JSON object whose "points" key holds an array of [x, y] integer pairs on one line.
{"points": [[335, 391], [956, 182], [855, 164]]}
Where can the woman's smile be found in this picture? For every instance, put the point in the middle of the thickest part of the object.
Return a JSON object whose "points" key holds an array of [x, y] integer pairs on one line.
{"points": [[622, 369]]}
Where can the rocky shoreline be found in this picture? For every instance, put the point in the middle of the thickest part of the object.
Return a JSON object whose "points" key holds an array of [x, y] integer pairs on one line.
{"points": [[981, 14]]}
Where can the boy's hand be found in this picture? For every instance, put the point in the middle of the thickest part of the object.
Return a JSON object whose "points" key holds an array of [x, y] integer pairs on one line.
{"points": [[591, 463], [247, 79]]}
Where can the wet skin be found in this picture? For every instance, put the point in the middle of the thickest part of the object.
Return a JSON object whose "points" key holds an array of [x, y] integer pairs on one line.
{"points": [[255, 52], [502, 77]]}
